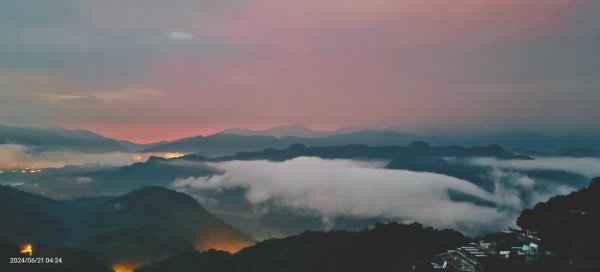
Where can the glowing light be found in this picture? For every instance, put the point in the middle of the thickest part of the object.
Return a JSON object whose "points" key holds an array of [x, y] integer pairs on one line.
{"points": [[223, 244], [27, 170], [125, 266], [27, 249], [173, 155], [138, 158]]}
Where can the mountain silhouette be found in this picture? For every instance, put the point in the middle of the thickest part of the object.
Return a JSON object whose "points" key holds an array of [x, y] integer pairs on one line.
{"points": [[386, 247], [569, 224], [60, 139], [142, 226], [229, 144]]}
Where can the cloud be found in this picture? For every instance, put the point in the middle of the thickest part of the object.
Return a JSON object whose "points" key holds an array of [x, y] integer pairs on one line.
{"points": [[589, 167], [345, 188], [518, 191], [179, 35], [83, 180], [131, 94], [18, 156]]}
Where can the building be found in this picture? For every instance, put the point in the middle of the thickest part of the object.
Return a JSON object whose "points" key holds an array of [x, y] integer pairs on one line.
{"points": [[509, 246]]}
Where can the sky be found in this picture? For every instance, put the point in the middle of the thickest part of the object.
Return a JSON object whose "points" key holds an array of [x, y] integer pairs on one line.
{"points": [[147, 70]]}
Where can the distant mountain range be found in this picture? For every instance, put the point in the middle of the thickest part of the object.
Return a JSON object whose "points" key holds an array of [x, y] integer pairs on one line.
{"points": [[60, 139], [361, 151], [535, 141], [511, 140], [419, 156], [232, 141], [89, 180], [299, 131], [93, 180], [232, 205], [228, 144], [140, 227]]}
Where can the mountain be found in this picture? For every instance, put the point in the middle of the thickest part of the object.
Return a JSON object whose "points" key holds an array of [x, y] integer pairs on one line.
{"points": [[232, 205], [299, 131], [386, 247], [220, 144], [139, 227], [361, 151], [418, 156], [23, 213], [153, 222], [534, 141], [229, 144], [231, 141], [59, 139], [569, 224], [374, 138], [565, 230], [84, 181]]}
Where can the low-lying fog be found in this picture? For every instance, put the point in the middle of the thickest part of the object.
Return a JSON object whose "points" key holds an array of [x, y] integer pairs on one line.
{"points": [[328, 189], [19, 157], [346, 188]]}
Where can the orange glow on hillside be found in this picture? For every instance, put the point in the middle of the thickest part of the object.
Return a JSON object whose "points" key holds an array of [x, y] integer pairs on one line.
{"points": [[223, 244], [125, 266], [27, 249]]}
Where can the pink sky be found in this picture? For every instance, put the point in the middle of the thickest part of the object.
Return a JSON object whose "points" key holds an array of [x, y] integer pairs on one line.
{"points": [[150, 70]]}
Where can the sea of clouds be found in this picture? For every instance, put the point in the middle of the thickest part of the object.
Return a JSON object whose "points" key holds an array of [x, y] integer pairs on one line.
{"points": [[349, 188]]}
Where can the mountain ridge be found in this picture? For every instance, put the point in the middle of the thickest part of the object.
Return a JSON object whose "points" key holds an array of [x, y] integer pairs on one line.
{"points": [[61, 139], [144, 225]]}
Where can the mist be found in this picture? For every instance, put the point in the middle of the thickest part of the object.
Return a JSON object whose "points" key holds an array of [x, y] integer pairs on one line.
{"points": [[589, 167], [347, 188], [18, 156]]}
